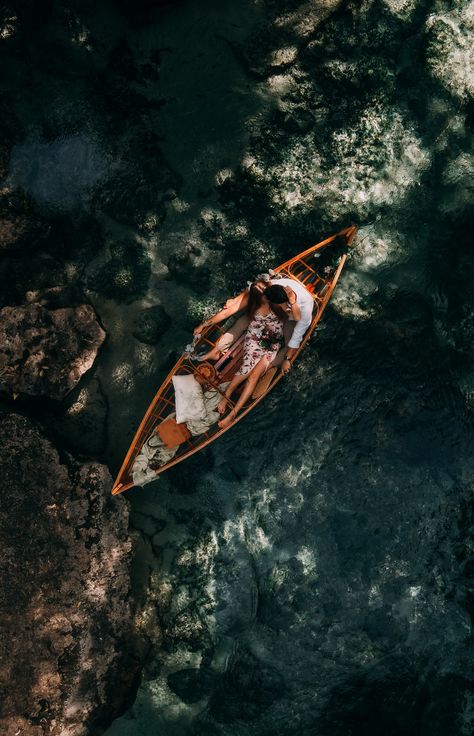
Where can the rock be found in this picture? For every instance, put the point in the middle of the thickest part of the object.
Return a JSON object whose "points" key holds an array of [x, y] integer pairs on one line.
{"points": [[186, 267], [192, 685], [125, 276], [151, 324], [298, 120], [41, 279], [20, 228], [65, 661], [45, 352], [275, 44], [130, 197], [187, 629]]}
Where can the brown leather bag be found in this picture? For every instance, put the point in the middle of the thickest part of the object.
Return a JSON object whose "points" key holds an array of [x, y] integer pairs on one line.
{"points": [[171, 433]]}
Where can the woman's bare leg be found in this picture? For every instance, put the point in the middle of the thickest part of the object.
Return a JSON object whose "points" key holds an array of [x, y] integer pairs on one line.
{"points": [[236, 381], [213, 354], [222, 345], [252, 380]]}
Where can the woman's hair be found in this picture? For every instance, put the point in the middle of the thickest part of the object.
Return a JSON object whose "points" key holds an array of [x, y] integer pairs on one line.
{"points": [[255, 300], [279, 311]]}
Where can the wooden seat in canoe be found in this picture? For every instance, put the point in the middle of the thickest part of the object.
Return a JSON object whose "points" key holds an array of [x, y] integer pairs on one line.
{"points": [[264, 383]]}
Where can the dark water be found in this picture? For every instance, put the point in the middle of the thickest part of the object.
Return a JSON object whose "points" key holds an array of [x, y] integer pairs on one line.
{"points": [[312, 571]]}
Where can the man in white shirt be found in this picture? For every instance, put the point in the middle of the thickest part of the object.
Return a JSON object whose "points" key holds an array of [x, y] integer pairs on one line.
{"points": [[299, 303]]}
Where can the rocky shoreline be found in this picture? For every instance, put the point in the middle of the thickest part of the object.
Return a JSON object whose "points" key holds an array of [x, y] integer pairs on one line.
{"points": [[69, 658], [67, 654]]}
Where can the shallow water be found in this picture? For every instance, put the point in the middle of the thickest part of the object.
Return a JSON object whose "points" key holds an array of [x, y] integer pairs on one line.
{"points": [[310, 572]]}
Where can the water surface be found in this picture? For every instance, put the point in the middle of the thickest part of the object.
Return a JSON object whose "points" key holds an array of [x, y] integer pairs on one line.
{"points": [[310, 572]]}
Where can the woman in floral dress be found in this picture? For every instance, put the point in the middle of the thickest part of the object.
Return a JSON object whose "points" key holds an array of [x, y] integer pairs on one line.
{"points": [[263, 340]]}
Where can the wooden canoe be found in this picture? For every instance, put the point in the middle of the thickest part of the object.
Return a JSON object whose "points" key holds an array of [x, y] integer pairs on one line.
{"points": [[303, 268]]}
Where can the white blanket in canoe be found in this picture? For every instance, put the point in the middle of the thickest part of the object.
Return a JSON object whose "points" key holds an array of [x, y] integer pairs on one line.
{"points": [[154, 453]]}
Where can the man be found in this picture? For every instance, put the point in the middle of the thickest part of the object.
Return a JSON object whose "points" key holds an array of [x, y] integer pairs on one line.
{"points": [[299, 304]]}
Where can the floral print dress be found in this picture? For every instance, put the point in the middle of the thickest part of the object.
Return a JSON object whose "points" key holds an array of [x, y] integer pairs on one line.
{"points": [[263, 339]]}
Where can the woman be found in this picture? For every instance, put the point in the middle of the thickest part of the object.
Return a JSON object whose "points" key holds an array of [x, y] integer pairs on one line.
{"points": [[262, 341], [250, 299]]}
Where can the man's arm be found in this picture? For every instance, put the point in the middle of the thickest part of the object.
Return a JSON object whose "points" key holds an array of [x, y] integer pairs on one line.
{"points": [[295, 341], [298, 333], [293, 304], [232, 306]]}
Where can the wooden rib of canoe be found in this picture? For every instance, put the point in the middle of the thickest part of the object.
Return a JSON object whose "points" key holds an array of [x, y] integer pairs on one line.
{"points": [[303, 268]]}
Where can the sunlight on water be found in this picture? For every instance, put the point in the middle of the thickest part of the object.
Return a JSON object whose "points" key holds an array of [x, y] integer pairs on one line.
{"points": [[9, 27], [395, 147], [374, 250], [81, 402], [351, 298], [307, 557], [284, 55], [143, 358], [122, 377], [401, 8], [375, 596], [451, 51]]}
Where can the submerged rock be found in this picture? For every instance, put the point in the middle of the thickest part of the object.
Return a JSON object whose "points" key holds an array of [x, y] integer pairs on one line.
{"points": [[186, 267], [39, 279], [45, 352], [249, 687], [192, 685], [64, 570], [10, 126], [125, 276], [151, 324]]}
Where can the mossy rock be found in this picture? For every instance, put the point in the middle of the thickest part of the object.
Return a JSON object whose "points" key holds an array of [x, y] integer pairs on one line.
{"points": [[125, 276], [183, 269], [151, 324]]}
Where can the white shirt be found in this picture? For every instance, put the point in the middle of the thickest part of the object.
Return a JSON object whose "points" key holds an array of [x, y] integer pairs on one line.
{"points": [[306, 303]]}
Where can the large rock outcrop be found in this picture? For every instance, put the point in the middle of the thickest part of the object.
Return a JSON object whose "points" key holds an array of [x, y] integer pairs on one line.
{"points": [[65, 666], [45, 352]]}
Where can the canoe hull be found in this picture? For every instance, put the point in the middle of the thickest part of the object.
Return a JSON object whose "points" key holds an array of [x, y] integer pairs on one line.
{"points": [[300, 268]]}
